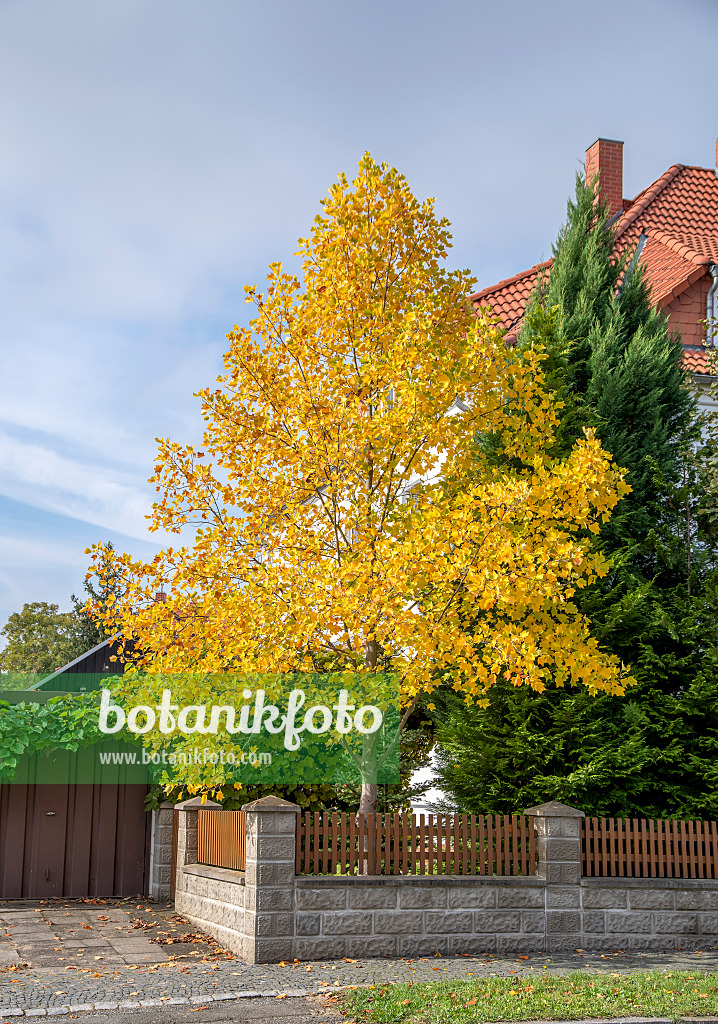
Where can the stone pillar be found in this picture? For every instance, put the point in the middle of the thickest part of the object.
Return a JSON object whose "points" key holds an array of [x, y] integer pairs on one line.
{"points": [[187, 832], [559, 862], [161, 857], [269, 880]]}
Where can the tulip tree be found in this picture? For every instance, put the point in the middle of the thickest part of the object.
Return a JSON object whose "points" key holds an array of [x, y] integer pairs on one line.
{"points": [[345, 516]]}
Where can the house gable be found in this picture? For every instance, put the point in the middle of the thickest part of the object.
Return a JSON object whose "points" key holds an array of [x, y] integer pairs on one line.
{"points": [[678, 218]]}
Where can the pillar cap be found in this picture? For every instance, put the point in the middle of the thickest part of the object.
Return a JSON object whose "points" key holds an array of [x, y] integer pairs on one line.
{"points": [[198, 804], [271, 803], [555, 809]]}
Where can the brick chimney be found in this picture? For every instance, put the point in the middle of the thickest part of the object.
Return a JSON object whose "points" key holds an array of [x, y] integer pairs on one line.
{"points": [[605, 158]]}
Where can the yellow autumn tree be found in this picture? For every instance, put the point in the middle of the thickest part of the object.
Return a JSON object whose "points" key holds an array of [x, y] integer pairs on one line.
{"points": [[345, 513]]}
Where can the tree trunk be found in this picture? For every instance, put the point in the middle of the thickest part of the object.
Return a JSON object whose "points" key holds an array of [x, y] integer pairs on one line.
{"points": [[368, 801], [369, 794]]}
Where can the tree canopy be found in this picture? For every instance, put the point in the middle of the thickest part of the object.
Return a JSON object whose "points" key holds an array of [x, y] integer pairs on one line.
{"points": [[344, 516], [40, 639]]}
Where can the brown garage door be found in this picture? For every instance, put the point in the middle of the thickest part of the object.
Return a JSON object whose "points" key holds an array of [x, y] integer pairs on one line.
{"points": [[73, 841]]}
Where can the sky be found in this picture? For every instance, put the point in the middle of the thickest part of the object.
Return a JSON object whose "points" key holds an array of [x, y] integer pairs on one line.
{"points": [[156, 155]]}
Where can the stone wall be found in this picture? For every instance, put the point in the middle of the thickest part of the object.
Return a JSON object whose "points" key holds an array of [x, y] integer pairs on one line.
{"points": [[649, 913], [213, 899], [422, 916], [267, 913], [161, 858], [417, 916]]}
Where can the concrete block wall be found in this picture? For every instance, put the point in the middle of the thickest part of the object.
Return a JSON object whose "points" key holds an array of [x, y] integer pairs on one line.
{"points": [[269, 879], [212, 898], [267, 913], [161, 859], [649, 913], [417, 916]]}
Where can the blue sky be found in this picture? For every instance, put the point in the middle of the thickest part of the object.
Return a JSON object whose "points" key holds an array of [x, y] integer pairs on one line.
{"points": [[157, 154]]}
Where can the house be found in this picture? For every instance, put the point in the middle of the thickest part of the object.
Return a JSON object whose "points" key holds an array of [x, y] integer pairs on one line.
{"points": [[64, 838], [82, 674], [673, 227]]}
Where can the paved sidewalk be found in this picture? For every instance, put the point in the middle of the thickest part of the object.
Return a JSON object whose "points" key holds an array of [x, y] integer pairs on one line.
{"points": [[118, 967], [92, 932]]}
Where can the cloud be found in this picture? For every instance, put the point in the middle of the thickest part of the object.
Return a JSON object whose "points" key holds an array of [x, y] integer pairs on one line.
{"points": [[37, 475], [42, 554]]}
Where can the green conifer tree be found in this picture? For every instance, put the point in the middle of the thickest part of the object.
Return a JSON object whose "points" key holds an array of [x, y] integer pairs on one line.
{"points": [[614, 365]]}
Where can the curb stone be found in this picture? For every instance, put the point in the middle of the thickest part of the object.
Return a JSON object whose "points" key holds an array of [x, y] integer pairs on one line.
{"points": [[216, 997], [622, 1020], [57, 1011]]}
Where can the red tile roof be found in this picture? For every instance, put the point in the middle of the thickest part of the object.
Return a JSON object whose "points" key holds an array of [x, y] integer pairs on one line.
{"points": [[678, 214], [694, 359], [508, 298], [665, 262]]}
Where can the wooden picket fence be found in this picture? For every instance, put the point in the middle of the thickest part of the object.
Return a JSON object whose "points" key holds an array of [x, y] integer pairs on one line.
{"points": [[465, 844], [398, 844], [222, 838], [640, 848]]}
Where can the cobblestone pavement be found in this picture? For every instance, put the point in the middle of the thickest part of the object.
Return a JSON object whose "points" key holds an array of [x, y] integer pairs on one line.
{"points": [[97, 956]]}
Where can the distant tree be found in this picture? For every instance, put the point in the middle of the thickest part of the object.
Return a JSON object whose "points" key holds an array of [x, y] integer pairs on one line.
{"points": [[39, 639], [100, 589]]}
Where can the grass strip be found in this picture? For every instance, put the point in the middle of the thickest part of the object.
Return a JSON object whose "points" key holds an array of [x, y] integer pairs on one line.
{"points": [[540, 996]]}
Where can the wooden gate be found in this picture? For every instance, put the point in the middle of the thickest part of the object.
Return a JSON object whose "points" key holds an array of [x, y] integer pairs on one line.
{"points": [[73, 841]]}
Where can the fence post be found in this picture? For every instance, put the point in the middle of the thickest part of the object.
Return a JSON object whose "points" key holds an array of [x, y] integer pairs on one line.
{"points": [[187, 834], [269, 880], [161, 856], [559, 862]]}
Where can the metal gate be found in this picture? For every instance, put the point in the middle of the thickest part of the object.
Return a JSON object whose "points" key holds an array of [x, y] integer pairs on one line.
{"points": [[73, 841]]}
